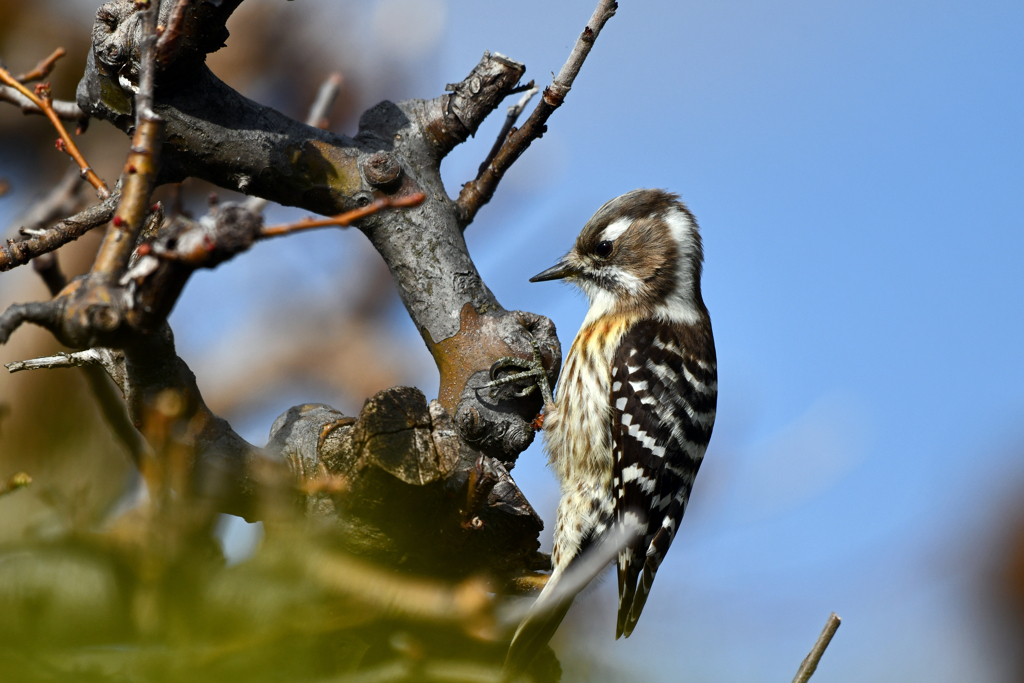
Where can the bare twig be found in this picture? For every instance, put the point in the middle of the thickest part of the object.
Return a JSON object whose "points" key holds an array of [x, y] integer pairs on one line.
{"points": [[325, 98], [49, 269], [479, 191], [510, 120], [140, 169], [344, 219], [147, 64], [43, 68], [233, 230], [810, 663], [78, 359], [65, 110], [44, 101], [317, 117], [19, 253], [170, 40]]}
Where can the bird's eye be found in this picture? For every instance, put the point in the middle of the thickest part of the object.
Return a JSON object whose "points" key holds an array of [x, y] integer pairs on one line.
{"points": [[603, 249]]}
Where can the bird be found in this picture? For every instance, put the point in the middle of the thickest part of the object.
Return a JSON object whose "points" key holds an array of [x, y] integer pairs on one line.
{"points": [[635, 403]]}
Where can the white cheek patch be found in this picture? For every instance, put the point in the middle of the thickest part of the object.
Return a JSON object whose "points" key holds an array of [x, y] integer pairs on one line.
{"points": [[682, 229], [615, 229], [680, 305]]}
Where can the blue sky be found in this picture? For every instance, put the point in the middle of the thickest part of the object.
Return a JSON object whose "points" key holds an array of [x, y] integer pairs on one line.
{"points": [[857, 170]]}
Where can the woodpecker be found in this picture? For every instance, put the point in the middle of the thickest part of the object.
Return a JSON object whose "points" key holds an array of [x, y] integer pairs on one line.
{"points": [[636, 400]]}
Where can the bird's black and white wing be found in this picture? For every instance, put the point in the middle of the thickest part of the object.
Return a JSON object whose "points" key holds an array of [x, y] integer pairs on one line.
{"points": [[663, 397]]}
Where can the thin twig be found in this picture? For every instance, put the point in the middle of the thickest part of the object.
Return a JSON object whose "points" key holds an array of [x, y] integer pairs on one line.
{"points": [[19, 253], [478, 192], [67, 111], [344, 219], [510, 120], [325, 98], [147, 66], [810, 663], [170, 40], [317, 118], [43, 68], [45, 102], [140, 168], [78, 359]]}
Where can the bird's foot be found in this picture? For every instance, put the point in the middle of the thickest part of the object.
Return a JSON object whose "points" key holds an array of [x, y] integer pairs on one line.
{"points": [[532, 369]]}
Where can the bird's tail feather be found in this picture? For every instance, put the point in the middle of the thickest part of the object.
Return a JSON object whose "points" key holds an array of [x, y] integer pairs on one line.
{"points": [[565, 583], [639, 599], [638, 584], [628, 575], [534, 633]]}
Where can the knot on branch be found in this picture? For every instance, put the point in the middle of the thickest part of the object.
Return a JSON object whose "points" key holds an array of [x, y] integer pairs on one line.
{"points": [[190, 30], [227, 230], [399, 484]]}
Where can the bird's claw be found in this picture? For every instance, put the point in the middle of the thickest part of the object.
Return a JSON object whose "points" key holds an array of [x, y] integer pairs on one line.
{"points": [[532, 369]]}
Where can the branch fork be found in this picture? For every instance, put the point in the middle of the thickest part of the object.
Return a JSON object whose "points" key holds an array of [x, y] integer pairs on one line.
{"points": [[446, 462]]}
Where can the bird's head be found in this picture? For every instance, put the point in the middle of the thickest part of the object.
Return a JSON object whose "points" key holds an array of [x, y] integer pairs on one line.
{"points": [[640, 253]]}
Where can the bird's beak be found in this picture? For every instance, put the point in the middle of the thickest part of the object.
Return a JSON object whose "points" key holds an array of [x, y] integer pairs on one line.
{"points": [[561, 270]]}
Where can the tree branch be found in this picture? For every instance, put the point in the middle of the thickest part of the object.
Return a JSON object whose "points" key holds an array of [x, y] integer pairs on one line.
{"points": [[510, 120], [18, 253], [394, 158], [317, 117], [42, 99], [406, 477], [325, 98], [810, 663], [67, 111], [343, 220], [78, 359], [479, 191], [171, 35], [140, 169], [43, 68]]}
